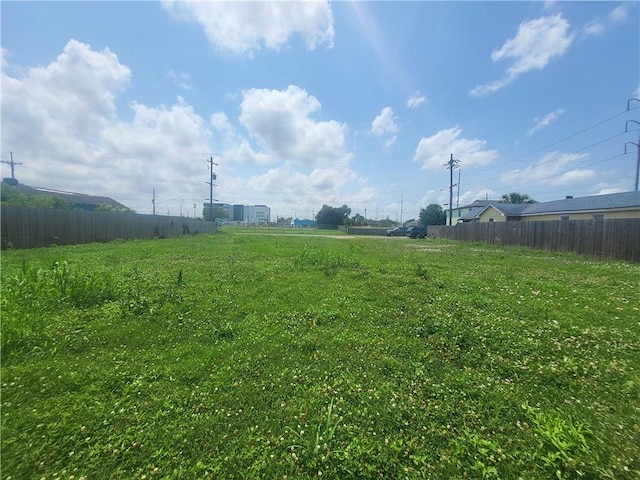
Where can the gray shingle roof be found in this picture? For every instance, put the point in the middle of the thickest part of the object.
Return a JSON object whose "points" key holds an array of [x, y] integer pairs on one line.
{"points": [[594, 203]]}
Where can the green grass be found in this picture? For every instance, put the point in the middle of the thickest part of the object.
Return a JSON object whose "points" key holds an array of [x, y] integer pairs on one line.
{"points": [[262, 356]]}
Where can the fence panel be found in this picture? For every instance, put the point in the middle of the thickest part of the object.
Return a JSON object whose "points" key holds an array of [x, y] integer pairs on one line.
{"points": [[27, 227], [609, 238]]}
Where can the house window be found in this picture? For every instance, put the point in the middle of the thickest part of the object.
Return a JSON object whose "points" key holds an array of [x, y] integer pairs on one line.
{"points": [[491, 219], [564, 217], [598, 216]]}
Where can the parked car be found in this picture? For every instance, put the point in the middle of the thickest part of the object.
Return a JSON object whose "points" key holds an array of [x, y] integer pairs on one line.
{"points": [[397, 232], [417, 232]]}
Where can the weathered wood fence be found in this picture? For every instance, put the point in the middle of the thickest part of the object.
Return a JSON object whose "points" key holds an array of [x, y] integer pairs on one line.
{"points": [[607, 238], [28, 227]]}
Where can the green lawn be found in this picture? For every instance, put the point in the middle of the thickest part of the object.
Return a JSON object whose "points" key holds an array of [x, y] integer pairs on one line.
{"points": [[280, 356]]}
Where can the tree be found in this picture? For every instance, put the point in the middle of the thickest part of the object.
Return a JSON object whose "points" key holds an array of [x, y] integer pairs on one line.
{"points": [[105, 207], [217, 212], [358, 220], [516, 197], [432, 215], [333, 215], [12, 196], [284, 222]]}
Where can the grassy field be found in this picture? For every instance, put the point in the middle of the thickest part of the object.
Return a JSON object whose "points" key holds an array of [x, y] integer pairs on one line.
{"points": [[280, 356]]}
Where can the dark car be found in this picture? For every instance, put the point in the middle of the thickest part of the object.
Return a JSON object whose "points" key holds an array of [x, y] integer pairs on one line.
{"points": [[417, 232], [397, 232]]}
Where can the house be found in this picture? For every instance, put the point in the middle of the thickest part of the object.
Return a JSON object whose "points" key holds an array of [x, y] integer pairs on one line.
{"points": [[77, 201], [467, 212], [614, 205]]}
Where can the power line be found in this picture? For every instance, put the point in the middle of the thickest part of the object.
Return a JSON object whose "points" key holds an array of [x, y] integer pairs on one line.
{"points": [[554, 159], [573, 135]]}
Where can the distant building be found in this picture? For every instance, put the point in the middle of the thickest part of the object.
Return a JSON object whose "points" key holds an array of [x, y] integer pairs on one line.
{"points": [[77, 201], [242, 214]]}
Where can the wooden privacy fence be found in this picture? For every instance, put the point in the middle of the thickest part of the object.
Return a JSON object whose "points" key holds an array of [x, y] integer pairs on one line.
{"points": [[28, 227], [610, 238]]}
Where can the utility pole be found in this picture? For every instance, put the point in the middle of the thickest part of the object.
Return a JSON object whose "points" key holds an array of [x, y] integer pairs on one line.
{"points": [[194, 210], [451, 164], [626, 129], [458, 200], [13, 164], [401, 206], [153, 201], [212, 177]]}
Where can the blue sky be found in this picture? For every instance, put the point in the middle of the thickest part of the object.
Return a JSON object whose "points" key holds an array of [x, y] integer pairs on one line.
{"points": [[305, 104]]}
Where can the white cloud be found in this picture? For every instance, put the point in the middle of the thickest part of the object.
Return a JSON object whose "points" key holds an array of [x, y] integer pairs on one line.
{"points": [[62, 121], [63, 124], [181, 79], [620, 13], [536, 43], [617, 16], [240, 27], [280, 121], [242, 152], [416, 100], [594, 27], [545, 121], [220, 122], [305, 192], [552, 169], [434, 151], [384, 123]]}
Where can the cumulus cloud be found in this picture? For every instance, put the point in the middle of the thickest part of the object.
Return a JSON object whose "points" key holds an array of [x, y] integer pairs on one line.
{"points": [[554, 168], [307, 191], [63, 122], [281, 122], [384, 123], [537, 42], [545, 121], [416, 100], [434, 151], [240, 27]]}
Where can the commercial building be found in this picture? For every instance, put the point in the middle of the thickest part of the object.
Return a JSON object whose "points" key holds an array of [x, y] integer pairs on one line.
{"points": [[240, 214]]}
